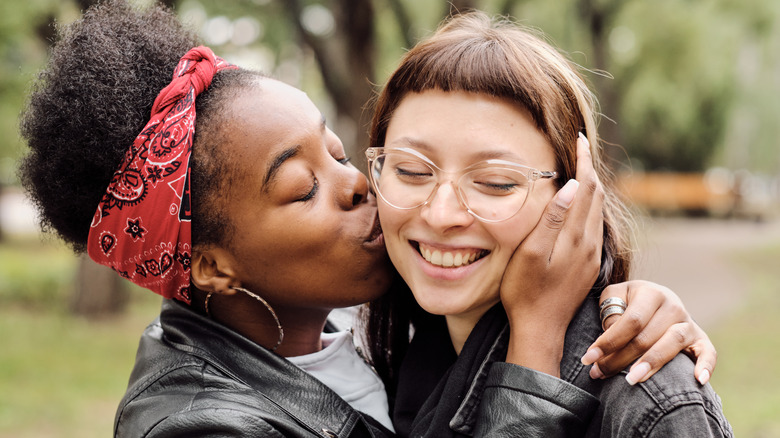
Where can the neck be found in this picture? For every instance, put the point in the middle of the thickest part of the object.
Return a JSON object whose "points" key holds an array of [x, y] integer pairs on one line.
{"points": [[251, 319], [302, 331], [461, 325]]}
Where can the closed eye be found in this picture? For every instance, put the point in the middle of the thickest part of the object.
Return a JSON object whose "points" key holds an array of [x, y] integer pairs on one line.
{"points": [[413, 174], [312, 193], [497, 186]]}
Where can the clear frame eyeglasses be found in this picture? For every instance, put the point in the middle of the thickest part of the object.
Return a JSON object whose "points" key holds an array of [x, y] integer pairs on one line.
{"points": [[492, 190]]}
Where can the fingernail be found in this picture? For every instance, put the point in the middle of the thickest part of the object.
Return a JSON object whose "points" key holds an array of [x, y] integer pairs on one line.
{"points": [[637, 372], [595, 372], [585, 139], [591, 356], [566, 194], [704, 377]]}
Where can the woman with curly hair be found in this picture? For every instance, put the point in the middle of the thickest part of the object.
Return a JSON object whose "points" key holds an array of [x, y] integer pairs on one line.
{"points": [[253, 279], [252, 227]]}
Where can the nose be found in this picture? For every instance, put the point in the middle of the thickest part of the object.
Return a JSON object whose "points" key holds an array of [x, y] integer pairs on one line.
{"points": [[446, 210], [353, 189]]}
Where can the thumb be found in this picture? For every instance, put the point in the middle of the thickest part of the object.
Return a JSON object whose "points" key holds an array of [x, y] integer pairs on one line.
{"points": [[543, 236], [566, 194], [555, 213]]}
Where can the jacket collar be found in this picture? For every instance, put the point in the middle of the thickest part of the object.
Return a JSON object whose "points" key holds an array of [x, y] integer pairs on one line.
{"points": [[465, 420], [449, 407], [492, 334], [314, 405], [575, 344]]}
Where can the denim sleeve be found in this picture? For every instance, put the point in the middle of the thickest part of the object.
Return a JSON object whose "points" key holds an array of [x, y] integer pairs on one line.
{"points": [[519, 401], [691, 421], [671, 403]]}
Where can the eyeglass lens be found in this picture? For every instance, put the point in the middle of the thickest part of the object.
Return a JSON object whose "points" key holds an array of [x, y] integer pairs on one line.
{"points": [[492, 193]]}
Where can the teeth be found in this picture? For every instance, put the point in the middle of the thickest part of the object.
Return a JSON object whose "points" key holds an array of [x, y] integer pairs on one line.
{"points": [[447, 259], [435, 258], [458, 260], [450, 259]]}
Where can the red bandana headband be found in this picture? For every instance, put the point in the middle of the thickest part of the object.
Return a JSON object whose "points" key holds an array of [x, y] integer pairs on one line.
{"points": [[142, 228]]}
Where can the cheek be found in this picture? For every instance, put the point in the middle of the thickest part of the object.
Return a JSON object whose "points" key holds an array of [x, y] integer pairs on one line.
{"points": [[391, 219], [515, 230], [280, 240]]}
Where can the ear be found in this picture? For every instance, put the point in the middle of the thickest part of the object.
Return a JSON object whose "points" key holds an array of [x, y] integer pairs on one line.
{"points": [[212, 270]]}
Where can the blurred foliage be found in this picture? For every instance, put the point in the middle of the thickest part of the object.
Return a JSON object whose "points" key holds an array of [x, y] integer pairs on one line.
{"points": [[36, 275], [695, 82], [24, 27]]}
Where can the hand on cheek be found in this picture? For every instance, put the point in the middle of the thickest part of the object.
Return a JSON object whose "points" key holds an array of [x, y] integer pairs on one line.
{"points": [[553, 270]]}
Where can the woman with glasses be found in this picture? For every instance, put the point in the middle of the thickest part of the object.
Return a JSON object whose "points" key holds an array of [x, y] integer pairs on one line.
{"points": [[483, 132]]}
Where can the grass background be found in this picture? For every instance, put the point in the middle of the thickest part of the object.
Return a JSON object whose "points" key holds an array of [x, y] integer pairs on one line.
{"points": [[748, 374], [60, 375], [63, 376]]}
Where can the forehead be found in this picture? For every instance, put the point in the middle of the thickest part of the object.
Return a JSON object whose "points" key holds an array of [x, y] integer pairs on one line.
{"points": [[276, 110], [270, 117], [458, 125]]}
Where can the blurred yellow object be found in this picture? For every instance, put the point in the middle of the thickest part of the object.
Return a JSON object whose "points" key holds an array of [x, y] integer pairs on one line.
{"points": [[679, 192]]}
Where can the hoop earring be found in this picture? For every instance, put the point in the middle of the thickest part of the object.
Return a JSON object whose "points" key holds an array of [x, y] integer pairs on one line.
{"points": [[258, 298]]}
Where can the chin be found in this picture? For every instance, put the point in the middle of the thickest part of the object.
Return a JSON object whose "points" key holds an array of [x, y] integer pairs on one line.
{"points": [[440, 305], [460, 301]]}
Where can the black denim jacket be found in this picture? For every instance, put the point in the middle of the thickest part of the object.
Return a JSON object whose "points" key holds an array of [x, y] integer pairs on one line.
{"points": [[480, 395], [196, 378]]}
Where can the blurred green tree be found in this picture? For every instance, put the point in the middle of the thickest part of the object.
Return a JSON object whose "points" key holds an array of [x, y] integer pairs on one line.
{"points": [[691, 79], [683, 85]]}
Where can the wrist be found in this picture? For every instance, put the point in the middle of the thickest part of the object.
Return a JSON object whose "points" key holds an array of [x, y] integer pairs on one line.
{"points": [[536, 347]]}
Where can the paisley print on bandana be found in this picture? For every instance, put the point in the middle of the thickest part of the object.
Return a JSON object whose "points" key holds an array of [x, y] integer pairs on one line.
{"points": [[142, 228]]}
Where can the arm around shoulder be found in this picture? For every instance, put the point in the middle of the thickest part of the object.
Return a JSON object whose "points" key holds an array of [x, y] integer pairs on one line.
{"points": [[671, 403], [693, 421]]}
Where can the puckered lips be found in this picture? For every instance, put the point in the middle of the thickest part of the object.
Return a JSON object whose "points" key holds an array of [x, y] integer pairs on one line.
{"points": [[375, 235], [450, 257]]}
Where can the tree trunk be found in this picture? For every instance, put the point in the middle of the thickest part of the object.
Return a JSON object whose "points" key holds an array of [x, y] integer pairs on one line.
{"points": [[346, 61], [98, 290], [460, 6], [1, 212], [597, 16], [404, 22]]}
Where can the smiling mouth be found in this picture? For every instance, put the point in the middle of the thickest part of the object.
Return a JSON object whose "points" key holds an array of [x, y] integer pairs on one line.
{"points": [[451, 258]]}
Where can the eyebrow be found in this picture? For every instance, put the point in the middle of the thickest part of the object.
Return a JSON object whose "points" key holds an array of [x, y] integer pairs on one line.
{"points": [[276, 163], [282, 157], [477, 156]]}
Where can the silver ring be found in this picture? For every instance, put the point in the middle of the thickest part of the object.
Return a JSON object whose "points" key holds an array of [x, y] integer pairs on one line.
{"points": [[612, 301], [608, 311]]}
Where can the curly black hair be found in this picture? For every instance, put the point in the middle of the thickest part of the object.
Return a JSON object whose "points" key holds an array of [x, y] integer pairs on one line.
{"points": [[95, 96]]}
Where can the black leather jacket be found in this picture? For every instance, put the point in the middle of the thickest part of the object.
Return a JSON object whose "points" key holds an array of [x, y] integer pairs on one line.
{"points": [[479, 395], [179, 387]]}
